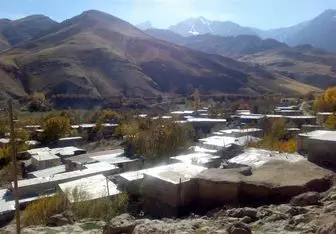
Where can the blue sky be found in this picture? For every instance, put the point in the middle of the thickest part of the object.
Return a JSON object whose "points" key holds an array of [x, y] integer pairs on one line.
{"points": [[264, 14]]}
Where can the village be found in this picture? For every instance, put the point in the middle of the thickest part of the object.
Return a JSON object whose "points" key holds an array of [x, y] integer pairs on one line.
{"points": [[225, 164]]}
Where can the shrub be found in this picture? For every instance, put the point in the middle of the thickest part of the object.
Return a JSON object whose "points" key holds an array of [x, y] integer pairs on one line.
{"points": [[101, 209], [38, 211]]}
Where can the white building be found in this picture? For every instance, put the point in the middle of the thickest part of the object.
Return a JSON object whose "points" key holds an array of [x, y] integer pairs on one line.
{"points": [[89, 188], [36, 186]]}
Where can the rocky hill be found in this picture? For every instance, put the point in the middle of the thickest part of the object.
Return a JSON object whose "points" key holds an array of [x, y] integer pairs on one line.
{"points": [[98, 55]]}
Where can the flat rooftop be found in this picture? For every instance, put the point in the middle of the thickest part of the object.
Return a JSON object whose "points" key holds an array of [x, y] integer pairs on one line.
{"points": [[94, 168], [49, 171], [48, 154], [257, 157], [67, 151], [182, 112], [203, 150], [195, 158], [205, 120], [226, 141], [301, 117], [113, 159], [324, 113], [237, 130], [90, 188], [251, 116], [314, 133], [97, 156], [71, 138], [44, 156], [325, 136], [175, 173]]}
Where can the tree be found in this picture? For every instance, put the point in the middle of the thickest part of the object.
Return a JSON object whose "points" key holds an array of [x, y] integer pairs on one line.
{"points": [[38, 102], [331, 122], [196, 99], [56, 127], [327, 101], [154, 138]]}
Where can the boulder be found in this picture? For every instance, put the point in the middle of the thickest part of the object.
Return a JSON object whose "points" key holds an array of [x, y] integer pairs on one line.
{"points": [[275, 181], [306, 199], [59, 220], [242, 212], [123, 224], [328, 226], [238, 228]]}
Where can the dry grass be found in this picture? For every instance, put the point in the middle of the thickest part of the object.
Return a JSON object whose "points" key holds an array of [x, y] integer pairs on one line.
{"points": [[39, 211]]}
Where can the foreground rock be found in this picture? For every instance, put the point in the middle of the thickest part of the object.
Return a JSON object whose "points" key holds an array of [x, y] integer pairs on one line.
{"points": [[270, 219], [276, 181]]}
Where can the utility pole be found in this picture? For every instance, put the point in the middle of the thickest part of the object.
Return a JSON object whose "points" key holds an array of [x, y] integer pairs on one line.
{"points": [[15, 170]]}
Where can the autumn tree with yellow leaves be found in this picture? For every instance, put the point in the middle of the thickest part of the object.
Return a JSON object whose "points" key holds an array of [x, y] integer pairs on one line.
{"points": [[326, 102]]}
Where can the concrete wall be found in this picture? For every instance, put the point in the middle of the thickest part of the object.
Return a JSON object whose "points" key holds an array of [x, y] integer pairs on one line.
{"points": [[302, 145], [168, 194], [322, 152]]}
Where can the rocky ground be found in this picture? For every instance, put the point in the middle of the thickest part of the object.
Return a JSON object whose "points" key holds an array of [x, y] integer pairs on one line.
{"points": [[307, 213]]}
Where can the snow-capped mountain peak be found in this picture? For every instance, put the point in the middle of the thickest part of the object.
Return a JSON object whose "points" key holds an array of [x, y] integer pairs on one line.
{"points": [[200, 25], [145, 25]]}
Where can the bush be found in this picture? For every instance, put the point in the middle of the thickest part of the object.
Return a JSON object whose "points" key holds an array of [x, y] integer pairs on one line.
{"points": [[39, 211]]}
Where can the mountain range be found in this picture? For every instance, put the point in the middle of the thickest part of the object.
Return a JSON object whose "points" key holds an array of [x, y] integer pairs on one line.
{"points": [[100, 56], [320, 32], [14, 32]]}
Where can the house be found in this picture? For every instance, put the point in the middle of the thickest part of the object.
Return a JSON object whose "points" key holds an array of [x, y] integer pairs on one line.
{"points": [[48, 184], [300, 120], [44, 159], [302, 140], [114, 157], [88, 188], [322, 149], [169, 190]]}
